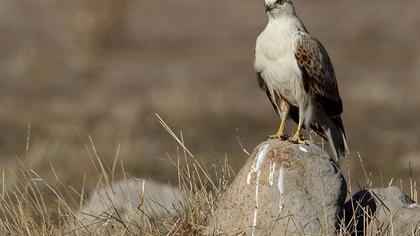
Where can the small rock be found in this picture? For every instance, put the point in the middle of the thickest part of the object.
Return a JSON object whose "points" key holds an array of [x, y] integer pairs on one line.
{"points": [[382, 211], [283, 189]]}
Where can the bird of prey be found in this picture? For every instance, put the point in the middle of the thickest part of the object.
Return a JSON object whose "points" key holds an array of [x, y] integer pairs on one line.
{"points": [[295, 71]]}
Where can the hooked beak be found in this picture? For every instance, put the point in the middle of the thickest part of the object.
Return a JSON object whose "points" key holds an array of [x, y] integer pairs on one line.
{"points": [[268, 7]]}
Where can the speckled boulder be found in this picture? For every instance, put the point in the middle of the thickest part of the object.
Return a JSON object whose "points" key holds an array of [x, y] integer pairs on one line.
{"points": [[283, 189]]}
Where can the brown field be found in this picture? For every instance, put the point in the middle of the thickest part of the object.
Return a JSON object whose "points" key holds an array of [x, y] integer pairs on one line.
{"points": [[70, 69]]}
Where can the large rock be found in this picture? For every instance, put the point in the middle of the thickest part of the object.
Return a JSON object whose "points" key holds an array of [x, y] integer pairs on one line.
{"points": [[283, 189], [382, 211]]}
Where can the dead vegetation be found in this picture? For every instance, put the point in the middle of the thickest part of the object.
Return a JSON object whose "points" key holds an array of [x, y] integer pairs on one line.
{"points": [[34, 206]]}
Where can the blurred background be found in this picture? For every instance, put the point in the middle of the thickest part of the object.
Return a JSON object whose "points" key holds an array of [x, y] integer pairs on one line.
{"points": [[69, 69]]}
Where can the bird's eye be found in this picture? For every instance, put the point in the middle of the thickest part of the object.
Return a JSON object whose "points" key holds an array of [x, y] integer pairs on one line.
{"points": [[280, 2]]}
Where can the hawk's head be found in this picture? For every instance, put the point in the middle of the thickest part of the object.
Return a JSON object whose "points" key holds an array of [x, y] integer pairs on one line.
{"points": [[279, 7]]}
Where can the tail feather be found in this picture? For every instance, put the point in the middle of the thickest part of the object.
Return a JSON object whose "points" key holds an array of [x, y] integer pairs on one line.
{"points": [[337, 137]]}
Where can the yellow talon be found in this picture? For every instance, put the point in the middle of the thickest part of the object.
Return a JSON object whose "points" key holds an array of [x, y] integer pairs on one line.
{"points": [[296, 137], [278, 136]]}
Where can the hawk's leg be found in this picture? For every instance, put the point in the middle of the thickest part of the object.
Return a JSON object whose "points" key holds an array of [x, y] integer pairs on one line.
{"points": [[284, 112], [296, 137], [280, 132]]}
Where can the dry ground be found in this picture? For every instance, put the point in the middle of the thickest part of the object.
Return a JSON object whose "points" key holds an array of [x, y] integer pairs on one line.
{"points": [[103, 68]]}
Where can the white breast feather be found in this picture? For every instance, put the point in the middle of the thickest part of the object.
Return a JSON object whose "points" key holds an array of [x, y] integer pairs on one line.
{"points": [[275, 59]]}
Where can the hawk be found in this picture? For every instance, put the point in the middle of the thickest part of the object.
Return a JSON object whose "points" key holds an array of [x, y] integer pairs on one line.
{"points": [[295, 71]]}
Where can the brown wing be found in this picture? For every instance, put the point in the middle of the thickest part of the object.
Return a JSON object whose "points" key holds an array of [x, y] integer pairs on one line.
{"points": [[318, 74]]}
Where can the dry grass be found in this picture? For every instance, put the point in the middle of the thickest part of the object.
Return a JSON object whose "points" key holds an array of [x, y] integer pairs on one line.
{"points": [[34, 206]]}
